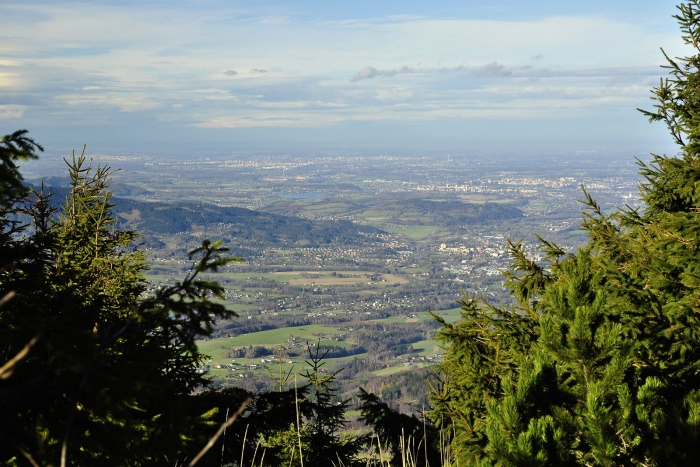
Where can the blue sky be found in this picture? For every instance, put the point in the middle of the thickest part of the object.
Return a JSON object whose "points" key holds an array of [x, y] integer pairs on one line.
{"points": [[499, 76]]}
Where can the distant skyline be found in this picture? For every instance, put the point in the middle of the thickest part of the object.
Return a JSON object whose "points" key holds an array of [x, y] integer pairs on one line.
{"points": [[377, 76]]}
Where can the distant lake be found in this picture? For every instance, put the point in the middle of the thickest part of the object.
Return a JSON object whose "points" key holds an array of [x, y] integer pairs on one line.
{"points": [[302, 195]]}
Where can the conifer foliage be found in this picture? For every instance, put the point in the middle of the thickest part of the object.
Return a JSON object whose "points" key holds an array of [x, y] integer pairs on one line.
{"points": [[93, 369], [598, 363]]}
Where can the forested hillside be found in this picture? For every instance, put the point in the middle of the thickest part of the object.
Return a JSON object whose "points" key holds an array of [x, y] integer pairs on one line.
{"points": [[240, 224], [455, 213]]}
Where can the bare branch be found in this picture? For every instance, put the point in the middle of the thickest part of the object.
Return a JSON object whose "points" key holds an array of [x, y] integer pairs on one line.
{"points": [[8, 296], [6, 369]]}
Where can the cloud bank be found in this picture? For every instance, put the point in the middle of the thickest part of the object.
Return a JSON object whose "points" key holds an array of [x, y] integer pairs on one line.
{"points": [[369, 72], [161, 66]]}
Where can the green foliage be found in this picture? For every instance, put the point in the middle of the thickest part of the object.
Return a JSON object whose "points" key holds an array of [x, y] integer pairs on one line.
{"points": [[325, 417], [14, 148], [598, 363], [290, 445], [110, 375]]}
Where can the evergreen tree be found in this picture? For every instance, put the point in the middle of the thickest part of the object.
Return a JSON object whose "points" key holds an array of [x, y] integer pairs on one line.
{"points": [[324, 415], [93, 371], [598, 363]]}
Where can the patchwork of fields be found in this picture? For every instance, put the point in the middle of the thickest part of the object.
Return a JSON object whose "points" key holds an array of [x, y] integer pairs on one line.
{"points": [[293, 342]]}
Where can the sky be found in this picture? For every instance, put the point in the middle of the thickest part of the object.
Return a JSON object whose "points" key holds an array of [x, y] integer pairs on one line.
{"points": [[469, 76]]}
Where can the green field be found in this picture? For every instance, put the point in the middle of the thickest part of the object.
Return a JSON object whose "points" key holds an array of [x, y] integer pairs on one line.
{"points": [[399, 369], [414, 232], [218, 348], [427, 348], [326, 208], [369, 214], [450, 316], [272, 338]]}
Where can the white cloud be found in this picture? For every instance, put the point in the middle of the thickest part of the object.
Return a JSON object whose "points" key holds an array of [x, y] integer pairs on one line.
{"points": [[5, 62], [228, 68], [491, 70], [11, 80], [369, 72], [394, 94], [366, 73], [294, 119], [125, 102], [10, 112]]}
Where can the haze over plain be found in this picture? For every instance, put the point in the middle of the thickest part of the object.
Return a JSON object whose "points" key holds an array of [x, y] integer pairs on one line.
{"points": [[475, 76]]}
